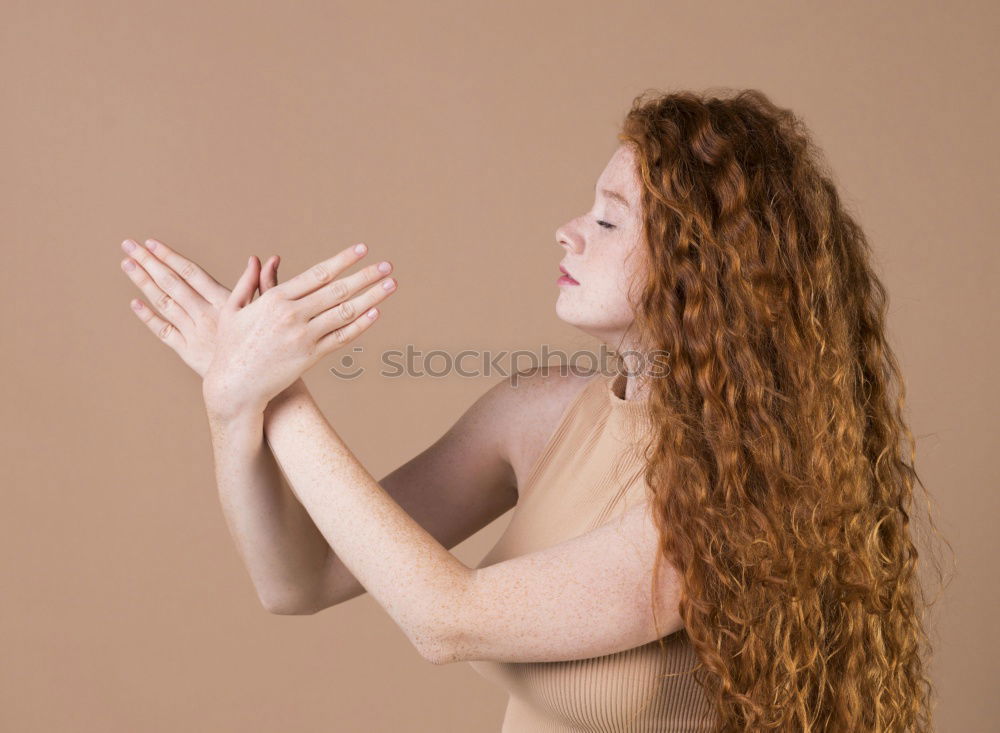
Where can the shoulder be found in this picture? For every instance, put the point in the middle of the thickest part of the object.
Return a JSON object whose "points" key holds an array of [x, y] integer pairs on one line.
{"points": [[548, 389], [535, 400]]}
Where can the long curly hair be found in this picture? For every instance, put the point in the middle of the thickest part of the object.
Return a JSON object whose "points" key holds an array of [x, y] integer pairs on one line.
{"points": [[780, 469]]}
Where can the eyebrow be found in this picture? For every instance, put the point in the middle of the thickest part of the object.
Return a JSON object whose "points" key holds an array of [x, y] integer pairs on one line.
{"points": [[615, 196]]}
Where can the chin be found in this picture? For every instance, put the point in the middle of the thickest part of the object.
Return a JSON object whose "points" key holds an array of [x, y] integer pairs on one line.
{"points": [[569, 314], [593, 324]]}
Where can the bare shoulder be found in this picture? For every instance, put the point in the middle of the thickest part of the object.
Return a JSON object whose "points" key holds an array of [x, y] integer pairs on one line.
{"points": [[536, 400]]}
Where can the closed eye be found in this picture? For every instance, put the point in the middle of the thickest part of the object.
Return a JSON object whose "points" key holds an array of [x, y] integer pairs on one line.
{"points": [[605, 224]]}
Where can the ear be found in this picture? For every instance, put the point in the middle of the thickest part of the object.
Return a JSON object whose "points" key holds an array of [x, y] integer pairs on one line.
{"points": [[246, 286]]}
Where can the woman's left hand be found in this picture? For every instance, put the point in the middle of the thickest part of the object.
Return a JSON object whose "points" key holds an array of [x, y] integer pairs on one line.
{"points": [[187, 299], [264, 345]]}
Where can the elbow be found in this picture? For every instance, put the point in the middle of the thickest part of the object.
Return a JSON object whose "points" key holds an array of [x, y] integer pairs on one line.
{"points": [[459, 634], [440, 641], [430, 642], [446, 644], [444, 639], [286, 606], [439, 651]]}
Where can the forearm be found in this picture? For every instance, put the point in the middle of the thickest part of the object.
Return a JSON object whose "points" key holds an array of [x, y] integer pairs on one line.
{"points": [[284, 552], [335, 583], [408, 572]]}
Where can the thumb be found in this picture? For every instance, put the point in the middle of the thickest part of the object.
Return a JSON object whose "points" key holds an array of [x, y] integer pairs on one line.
{"points": [[269, 275], [246, 285]]}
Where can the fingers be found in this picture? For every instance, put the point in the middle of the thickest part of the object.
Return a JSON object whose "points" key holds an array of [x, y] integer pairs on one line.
{"points": [[322, 273], [171, 309], [164, 330], [203, 283], [269, 275], [244, 289], [349, 311], [341, 289], [335, 339], [163, 283]]}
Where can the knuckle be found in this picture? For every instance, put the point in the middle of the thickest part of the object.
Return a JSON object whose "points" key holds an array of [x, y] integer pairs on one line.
{"points": [[346, 310], [338, 289], [165, 330], [287, 314], [320, 273], [163, 302], [341, 336], [188, 270], [170, 283]]}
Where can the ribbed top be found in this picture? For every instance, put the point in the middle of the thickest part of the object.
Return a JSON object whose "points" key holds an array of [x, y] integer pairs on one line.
{"points": [[590, 471], [627, 418]]}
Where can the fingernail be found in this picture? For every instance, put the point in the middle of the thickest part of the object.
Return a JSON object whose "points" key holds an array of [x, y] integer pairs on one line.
{"points": [[129, 245], [384, 267], [389, 284], [150, 244], [128, 265], [360, 248]]}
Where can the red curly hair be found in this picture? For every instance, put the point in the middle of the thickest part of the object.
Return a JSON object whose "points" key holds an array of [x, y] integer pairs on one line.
{"points": [[781, 470]]}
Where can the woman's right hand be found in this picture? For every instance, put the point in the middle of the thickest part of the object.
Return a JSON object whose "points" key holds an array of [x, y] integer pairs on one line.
{"points": [[186, 297]]}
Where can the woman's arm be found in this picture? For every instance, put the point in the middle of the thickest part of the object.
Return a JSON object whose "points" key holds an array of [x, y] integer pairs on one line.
{"points": [[407, 571], [456, 486], [283, 551], [585, 597]]}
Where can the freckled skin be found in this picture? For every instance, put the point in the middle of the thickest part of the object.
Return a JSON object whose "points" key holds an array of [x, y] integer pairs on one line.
{"points": [[604, 261], [588, 596], [585, 597]]}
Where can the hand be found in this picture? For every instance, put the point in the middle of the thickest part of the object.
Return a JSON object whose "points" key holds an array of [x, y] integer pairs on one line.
{"points": [[188, 299], [265, 345]]}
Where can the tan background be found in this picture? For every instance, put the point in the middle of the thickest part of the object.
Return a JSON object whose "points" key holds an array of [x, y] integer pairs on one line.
{"points": [[453, 138]]}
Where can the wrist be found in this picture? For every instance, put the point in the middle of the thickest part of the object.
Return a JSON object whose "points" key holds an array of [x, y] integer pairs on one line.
{"points": [[236, 428], [290, 393], [293, 395], [225, 404]]}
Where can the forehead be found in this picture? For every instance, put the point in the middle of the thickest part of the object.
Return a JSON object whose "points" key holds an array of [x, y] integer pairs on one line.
{"points": [[620, 172]]}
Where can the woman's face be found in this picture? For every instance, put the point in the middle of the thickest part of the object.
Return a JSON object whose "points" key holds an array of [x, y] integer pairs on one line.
{"points": [[604, 253]]}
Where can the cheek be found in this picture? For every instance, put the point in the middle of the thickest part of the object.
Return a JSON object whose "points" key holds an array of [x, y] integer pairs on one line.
{"points": [[612, 298], [636, 271]]}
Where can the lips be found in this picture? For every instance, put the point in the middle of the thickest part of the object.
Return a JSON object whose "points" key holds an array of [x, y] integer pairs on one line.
{"points": [[565, 272]]}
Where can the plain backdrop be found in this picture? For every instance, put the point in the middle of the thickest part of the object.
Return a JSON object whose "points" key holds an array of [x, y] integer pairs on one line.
{"points": [[453, 138]]}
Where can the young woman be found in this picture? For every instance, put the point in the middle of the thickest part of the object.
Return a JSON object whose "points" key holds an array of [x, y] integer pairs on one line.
{"points": [[720, 545]]}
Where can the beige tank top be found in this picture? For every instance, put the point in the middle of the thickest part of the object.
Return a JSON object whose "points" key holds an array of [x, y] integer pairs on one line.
{"points": [[589, 472]]}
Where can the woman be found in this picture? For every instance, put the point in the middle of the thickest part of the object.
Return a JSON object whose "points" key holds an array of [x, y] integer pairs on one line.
{"points": [[722, 546]]}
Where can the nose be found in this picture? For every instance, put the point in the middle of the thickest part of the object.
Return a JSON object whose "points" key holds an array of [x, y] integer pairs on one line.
{"points": [[569, 239]]}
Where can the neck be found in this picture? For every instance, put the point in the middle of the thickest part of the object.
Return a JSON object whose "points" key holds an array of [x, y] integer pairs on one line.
{"points": [[635, 370]]}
